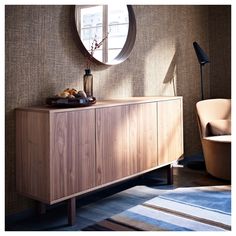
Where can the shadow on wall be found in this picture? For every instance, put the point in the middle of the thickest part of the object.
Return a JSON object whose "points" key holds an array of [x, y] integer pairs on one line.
{"points": [[146, 68], [171, 74]]}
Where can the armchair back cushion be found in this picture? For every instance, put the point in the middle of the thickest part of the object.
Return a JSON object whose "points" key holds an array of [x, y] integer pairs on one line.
{"points": [[211, 110], [219, 127]]}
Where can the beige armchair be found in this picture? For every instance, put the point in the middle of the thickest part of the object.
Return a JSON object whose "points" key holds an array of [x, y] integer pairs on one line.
{"points": [[214, 121]]}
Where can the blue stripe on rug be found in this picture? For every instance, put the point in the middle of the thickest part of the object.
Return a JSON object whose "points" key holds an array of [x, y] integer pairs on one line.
{"points": [[211, 200], [190, 212], [184, 221], [151, 221]]}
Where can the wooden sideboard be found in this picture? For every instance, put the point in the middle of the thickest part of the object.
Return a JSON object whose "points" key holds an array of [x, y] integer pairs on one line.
{"points": [[63, 153]]}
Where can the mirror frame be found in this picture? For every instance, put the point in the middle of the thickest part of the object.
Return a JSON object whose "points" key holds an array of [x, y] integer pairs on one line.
{"points": [[127, 48]]}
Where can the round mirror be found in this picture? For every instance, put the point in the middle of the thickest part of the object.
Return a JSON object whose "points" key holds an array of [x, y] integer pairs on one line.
{"points": [[107, 32]]}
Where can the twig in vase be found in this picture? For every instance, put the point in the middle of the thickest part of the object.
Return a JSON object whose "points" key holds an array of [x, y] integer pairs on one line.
{"points": [[95, 45]]}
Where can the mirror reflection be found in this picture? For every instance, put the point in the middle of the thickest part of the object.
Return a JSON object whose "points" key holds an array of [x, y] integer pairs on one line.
{"points": [[103, 30]]}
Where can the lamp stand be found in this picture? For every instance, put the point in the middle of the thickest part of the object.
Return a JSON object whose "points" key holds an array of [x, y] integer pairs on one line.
{"points": [[201, 82]]}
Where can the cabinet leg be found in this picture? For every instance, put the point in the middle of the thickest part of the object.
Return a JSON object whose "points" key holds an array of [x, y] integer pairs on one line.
{"points": [[41, 208], [72, 211], [170, 174]]}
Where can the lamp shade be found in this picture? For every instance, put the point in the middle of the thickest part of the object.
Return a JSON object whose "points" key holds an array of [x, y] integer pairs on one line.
{"points": [[201, 55]]}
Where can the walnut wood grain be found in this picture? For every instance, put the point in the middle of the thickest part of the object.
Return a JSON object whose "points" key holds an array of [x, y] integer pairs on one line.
{"points": [[112, 143], [73, 152], [62, 153], [143, 134], [32, 154], [101, 104], [170, 131], [126, 140]]}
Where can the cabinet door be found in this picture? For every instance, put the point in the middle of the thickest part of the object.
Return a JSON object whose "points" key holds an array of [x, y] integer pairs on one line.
{"points": [[72, 153], [126, 140], [112, 144], [143, 134], [32, 154], [170, 131]]}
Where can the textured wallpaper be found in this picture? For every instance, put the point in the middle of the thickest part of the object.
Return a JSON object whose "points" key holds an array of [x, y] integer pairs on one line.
{"points": [[42, 58], [220, 51]]}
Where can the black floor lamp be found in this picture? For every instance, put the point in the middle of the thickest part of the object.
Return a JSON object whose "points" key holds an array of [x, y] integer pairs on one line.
{"points": [[202, 59]]}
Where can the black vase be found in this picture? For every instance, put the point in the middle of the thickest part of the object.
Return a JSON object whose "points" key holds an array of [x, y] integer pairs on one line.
{"points": [[88, 83]]}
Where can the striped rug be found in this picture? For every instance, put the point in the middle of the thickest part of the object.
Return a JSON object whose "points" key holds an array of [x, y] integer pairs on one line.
{"points": [[182, 209]]}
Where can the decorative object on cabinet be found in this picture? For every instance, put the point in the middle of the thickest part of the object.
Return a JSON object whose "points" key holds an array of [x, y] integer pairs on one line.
{"points": [[63, 153], [88, 83], [99, 21], [70, 102], [88, 77], [95, 45], [202, 59], [72, 98]]}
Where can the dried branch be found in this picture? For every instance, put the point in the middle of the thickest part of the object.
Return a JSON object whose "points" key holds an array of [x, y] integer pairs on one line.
{"points": [[95, 45]]}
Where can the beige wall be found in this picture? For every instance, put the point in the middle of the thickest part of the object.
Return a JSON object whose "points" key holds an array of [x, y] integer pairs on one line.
{"points": [[42, 59]]}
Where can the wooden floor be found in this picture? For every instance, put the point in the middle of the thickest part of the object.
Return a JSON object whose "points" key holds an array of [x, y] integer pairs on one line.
{"points": [[103, 204]]}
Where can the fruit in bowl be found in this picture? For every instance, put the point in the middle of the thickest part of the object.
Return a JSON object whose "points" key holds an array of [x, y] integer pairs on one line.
{"points": [[71, 93], [71, 98]]}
